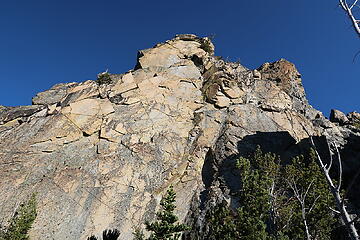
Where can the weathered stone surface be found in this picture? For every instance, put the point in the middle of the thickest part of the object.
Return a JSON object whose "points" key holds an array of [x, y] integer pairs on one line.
{"points": [[10, 113], [87, 89], [285, 75], [124, 85], [101, 156], [88, 114], [53, 95], [222, 101], [234, 92], [271, 97], [338, 117], [354, 116]]}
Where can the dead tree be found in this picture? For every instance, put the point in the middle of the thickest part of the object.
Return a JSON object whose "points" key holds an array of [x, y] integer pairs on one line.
{"points": [[348, 8], [335, 189], [301, 198]]}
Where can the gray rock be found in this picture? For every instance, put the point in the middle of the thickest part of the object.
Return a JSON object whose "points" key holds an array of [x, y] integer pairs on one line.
{"points": [[53, 95], [354, 116], [102, 156], [338, 117], [10, 113]]}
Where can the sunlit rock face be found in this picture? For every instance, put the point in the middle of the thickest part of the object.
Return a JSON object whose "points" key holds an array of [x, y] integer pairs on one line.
{"points": [[101, 155]]}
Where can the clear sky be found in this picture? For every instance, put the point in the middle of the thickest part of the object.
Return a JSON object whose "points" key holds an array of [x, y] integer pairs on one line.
{"points": [[43, 43]]}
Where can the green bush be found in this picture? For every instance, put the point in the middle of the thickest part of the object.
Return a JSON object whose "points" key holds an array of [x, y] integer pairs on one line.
{"points": [[221, 222], [166, 227], [138, 234], [272, 200], [108, 234], [357, 125], [207, 45], [103, 78], [21, 223]]}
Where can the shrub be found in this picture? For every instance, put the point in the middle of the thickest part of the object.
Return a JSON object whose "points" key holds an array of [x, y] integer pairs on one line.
{"points": [[107, 234], [166, 227], [207, 45], [276, 202], [221, 222], [103, 78], [21, 223], [138, 234]]}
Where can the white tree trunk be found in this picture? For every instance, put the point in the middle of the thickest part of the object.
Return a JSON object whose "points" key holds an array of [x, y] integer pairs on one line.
{"points": [[335, 190], [348, 9]]}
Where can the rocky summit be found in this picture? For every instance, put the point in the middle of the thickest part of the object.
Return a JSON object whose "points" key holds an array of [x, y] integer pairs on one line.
{"points": [[101, 153]]}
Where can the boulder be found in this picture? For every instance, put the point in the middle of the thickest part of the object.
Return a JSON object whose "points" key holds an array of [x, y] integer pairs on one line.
{"points": [[338, 117]]}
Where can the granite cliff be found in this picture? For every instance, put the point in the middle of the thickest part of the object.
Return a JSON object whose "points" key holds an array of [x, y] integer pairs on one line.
{"points": [[101, 154]]}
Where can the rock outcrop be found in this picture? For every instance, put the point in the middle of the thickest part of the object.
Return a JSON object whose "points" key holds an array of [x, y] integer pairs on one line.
{"points": [[101, 155]]}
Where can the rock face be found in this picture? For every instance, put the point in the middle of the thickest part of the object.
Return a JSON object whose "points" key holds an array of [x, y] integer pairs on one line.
{"points": [[101, 156], [338, 116]]}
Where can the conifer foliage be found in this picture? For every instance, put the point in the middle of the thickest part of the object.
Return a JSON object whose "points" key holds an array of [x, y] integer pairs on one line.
{"points": [[221, 223], [166, 228], [108, 234], [277, 201], [311, 200], [21, 223], [259, 196]]}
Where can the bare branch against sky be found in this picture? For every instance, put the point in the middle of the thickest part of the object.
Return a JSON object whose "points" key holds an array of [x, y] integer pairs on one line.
{"points": [[348, 8]]}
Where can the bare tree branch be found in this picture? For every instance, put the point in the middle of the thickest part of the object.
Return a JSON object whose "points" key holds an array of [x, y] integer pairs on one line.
{"points": [[301, 197], [308, 188], [340, 169], [335, 211], [335, 190], [331, 158], [355, 56], [353, 4], [355, 219], [348, 9], [313, 205]]}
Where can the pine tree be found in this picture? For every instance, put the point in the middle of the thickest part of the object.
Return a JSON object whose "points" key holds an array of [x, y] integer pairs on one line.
{"points": [[221, 223], [138, 234], [21, 223], [166, 227], [258, 179], [310, 200], [277, 202], [108, 234]]}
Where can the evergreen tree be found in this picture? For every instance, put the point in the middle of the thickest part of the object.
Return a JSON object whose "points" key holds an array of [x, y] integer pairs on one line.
{"points": [[21, 223], [138, 234], [221, 223], [107, 234], [166, 227], [276, 202], [310, 200], [258, 197]]}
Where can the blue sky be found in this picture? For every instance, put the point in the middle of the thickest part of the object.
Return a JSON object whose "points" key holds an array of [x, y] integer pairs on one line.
{"points": [[43, 43]]}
